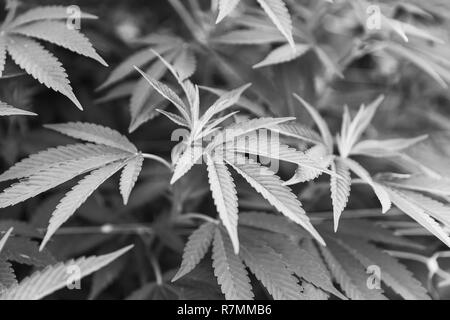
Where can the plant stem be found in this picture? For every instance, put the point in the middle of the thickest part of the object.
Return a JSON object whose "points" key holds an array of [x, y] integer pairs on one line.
{"points": [[156, 158], [156, 269], [409, 256], [187, 19], [200, 216], [195, 7], [107, 229]]}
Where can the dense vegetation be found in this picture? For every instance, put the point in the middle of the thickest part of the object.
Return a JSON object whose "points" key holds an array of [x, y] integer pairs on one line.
{"points": [[225, 149]]}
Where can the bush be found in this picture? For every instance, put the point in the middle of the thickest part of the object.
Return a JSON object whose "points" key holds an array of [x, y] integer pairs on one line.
{"points": [[268, 149]]}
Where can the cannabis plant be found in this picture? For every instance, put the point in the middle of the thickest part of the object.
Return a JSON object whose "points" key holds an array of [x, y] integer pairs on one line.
{"points": [[276, 149]]}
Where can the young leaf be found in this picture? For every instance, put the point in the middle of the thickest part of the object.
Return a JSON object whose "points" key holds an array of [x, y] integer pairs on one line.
{"points": [[352, 131], [225, 101], [144, 95], [320, 122], [174, 118], [185, 64], [167, 93], [243, 102], [321, 159]]}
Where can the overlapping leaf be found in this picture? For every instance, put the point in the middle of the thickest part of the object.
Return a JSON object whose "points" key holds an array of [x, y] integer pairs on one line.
{"points": [[52, 278]]}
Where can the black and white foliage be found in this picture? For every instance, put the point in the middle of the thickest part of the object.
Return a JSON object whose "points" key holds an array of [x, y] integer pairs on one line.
{"points": [[20, 35], [286, 180]]}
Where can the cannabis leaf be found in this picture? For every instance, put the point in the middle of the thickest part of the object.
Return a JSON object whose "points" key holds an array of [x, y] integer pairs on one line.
{"points": [[7, 276], [6, 110], [5, 238], [271, 249], [52, 278], [348, 144], [196, 248], [226, 147], [301, 262], [276, 10], [225, 197], [349, 273], [129, 176], [283, 54], [17, 33], [395, 275], [229, 269], [94, 133], [109, 153], [77, 196], [145, 100], [58, 33], [269, 268], [340, 189], [351, 252], [269, 185], [225, 8]]}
